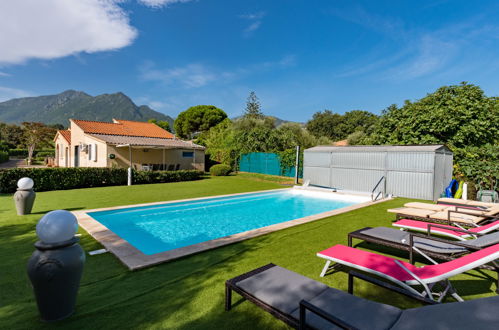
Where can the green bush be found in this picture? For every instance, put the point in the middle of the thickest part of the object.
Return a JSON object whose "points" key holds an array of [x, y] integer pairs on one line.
{"points": [[220, 170], [4, 156], [47, 179], [24, 152], [141, 177], [43, 154], [18, 152], [4, 146]]}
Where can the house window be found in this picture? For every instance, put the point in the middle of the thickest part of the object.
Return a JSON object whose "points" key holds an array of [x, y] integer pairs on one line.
{"points": [[188, 154], [92, 152]]}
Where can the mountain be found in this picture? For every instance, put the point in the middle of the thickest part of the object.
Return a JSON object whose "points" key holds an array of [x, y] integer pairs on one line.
{"points": [[57, 109]]}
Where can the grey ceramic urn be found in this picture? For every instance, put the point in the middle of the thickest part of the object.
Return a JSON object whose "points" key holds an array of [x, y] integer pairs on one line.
{"points": [[24, 197], [55, 268]]}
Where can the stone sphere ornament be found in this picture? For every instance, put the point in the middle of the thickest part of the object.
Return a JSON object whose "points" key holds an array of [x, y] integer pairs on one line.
{"points": [[56, 226], [25, 183], [24, 198], [56, 266]]}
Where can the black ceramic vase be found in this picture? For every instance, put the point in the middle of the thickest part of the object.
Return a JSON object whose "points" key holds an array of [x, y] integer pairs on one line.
{"points": [[55, 271]]}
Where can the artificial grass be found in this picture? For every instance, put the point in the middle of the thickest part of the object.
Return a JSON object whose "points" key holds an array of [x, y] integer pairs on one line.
{"points": [[187, 293]]}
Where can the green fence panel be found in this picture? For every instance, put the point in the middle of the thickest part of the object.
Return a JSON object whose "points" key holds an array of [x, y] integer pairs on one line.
{"points": [[264, 163]]}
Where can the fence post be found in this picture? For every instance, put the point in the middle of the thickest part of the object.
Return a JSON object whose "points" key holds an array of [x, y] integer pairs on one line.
{"points": [[297, 163]]}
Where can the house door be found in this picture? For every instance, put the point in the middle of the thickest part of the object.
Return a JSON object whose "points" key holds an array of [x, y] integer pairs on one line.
{"points": [[66, 157], [77, 156]]}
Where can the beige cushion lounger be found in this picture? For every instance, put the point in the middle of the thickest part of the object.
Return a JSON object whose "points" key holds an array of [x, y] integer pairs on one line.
{"points": [[466, 202], [427, 206], [442, 215], [412, 211], [444, 208], [457, 217]]}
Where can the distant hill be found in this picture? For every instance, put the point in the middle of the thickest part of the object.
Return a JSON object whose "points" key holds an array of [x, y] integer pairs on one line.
{"points": [[57, 109]]}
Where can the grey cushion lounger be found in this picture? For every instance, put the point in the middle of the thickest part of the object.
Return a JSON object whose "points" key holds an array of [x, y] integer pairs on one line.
{"points": [[283, 290], [399, 236]]}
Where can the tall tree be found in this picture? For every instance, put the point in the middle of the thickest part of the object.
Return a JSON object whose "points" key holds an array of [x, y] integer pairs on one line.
{"points": [[253, 109], [11, 134], [459, 115], [338, 127], [325, 124], [198, 119], [161, 123], [36, 134]]}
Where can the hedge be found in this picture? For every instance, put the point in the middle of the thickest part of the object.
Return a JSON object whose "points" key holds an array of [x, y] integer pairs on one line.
{"points": [[24, 152], [47, 179], [4, 156], [220, 170], [43, 154]]}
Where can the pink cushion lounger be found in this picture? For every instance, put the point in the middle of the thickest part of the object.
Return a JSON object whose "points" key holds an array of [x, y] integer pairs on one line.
{"points": [[406, 275], [449, 231]]}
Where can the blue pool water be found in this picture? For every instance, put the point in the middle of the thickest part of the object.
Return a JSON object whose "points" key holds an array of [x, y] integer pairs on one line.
{"points": [[158, 228]]}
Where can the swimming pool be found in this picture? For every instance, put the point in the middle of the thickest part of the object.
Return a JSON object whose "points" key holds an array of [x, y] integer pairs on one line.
{"points": [[163, 227]]}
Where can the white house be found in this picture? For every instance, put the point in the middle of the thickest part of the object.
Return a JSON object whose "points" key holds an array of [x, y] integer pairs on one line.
{"points": [[124, 143]]}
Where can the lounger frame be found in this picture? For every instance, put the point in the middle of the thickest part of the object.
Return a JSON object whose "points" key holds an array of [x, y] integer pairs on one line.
{"points": [[231, 285], [409, 247], [425, 253], [408, 285]]}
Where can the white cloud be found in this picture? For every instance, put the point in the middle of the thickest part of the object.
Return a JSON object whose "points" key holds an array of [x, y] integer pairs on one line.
{"points": [[160, 3], [196, 75], [56, 28], [4, 74], [190, 76], [253, 27], [256, 22], [258, 15], [7, 93]]}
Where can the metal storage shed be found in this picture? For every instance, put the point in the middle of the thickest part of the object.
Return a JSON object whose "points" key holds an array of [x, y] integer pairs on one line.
{"points": [[421, 171]]}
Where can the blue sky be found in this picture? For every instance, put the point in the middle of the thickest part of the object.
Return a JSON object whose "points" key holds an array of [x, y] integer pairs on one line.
{"points": [[298, 56]]}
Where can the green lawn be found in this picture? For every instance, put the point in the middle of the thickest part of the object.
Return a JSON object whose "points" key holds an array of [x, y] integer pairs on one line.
{"points": [[187, 293]]}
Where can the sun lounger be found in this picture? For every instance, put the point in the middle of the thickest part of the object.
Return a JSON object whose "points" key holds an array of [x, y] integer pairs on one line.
{"points": [[406, 275], [465, 202], [471, 210], [305, 303], [447, 216], [455, 232], [426, 206], [426, 246]]}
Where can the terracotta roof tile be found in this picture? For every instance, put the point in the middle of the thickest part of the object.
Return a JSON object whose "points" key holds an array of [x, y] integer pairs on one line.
{"points": [[124, 128], [340, 143], [66, 134]]}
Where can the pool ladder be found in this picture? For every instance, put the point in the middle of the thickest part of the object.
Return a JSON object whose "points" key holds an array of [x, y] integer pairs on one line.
{"points": [[381, 192]]}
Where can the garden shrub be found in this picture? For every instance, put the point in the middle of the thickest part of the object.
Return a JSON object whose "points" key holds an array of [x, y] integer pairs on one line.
{"points": [[24, 152], [220, 170], [43, 154], [47, 179], [4, 156], [18, 152]]}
